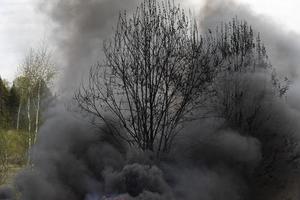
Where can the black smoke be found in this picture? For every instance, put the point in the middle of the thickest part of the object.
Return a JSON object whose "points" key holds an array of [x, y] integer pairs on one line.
{"points": [[79, 30], [210, 159], [73, 160]]}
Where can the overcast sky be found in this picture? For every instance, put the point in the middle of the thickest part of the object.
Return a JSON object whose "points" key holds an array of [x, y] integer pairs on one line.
{"points": [[23, 26]]}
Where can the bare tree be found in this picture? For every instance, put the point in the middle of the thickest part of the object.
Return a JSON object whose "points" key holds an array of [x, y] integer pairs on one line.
{"points": [[248, 92], [244, 60], [155, 69], [246, 79]]}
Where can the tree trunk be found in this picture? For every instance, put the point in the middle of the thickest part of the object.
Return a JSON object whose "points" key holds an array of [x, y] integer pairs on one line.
{"points": [[18, 117], [37, 117], [29, 128]]}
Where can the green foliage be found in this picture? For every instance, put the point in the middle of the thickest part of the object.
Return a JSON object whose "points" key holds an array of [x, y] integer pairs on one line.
{"points": [[13, 104], [13, 98], [4, 113], [9, 102], [3, 157]]}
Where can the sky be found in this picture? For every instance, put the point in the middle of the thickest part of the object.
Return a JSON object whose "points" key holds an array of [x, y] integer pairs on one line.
{"points": [[23, 26]]}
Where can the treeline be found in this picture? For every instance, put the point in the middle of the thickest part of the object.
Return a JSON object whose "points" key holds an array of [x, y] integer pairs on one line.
{"points": [[15, 138], [9, 101], [13, 103]]}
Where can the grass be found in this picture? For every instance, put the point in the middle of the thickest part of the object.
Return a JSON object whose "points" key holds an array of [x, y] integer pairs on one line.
{"points": [[13, 150]]}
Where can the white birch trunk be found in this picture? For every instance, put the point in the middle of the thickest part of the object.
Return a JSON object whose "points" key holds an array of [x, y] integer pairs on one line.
{"points": [[18, 117], [29, 128], [37, 117]]}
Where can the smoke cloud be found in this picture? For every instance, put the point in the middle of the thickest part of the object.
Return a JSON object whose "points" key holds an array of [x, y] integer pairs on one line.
{"points": [[75, 161], [283, 46], [210, 159], [80, 28]]}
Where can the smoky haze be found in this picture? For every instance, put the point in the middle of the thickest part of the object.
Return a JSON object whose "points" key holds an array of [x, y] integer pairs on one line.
{"points": [[74, 160], [283, 46], [80, 28]]}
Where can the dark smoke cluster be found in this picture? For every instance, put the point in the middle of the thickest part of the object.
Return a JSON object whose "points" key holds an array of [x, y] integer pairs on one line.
{"points": [[210, 160], [74, 161]]}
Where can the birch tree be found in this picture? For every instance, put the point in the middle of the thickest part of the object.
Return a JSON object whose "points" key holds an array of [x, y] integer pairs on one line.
{"points": [[36, 71], [20, 84]]}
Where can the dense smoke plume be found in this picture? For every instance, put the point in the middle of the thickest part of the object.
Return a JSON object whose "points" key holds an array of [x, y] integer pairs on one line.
{"points": [[74, 161], [211, 160], [80, 28]]}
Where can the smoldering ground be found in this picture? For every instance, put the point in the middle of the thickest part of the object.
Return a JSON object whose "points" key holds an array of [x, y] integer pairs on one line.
{"points": [[210, 159]]}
